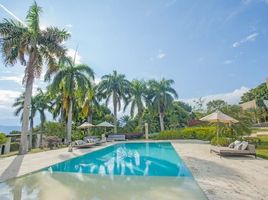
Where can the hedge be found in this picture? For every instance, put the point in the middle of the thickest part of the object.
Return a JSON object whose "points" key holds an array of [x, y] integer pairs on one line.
{"points": [[200, 133], [14, 146], [222, 141]]}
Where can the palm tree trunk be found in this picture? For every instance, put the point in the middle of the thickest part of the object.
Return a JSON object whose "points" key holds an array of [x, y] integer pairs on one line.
{"points": [[89, 119], [69, 123], [161, 120], [115, 113], [41, 135], [31, 133], [25, 116]]}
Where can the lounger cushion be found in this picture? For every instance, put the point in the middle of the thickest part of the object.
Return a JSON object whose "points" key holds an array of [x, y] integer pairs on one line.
{"points": [[237, 145], [244, 145], [79, 142], [232, 145]]}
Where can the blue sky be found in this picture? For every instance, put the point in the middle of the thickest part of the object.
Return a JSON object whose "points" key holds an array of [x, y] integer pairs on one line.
{"points": [[213, 49]]}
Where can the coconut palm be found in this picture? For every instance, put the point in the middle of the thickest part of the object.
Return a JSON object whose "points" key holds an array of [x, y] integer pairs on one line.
{"points": [[114, 87], [89, 103], [161, 95], [33, 47], [41, 105], [138, 99], [74, 81], [38, 104], [18, 104]]}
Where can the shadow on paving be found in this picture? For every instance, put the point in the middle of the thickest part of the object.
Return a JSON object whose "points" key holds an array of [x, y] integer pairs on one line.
{"points": [[210, 169], [13, 169]]}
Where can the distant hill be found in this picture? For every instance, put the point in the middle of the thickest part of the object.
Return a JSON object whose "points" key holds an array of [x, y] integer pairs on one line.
{"points": [[8, 129]]}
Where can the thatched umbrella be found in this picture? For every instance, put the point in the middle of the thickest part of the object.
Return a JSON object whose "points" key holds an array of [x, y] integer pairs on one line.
{"points": [[219, 117], [105, 125], [86, 125]]}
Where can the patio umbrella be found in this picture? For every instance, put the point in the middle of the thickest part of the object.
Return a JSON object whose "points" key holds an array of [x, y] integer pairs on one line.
{"points": [[219, 117], [86, 125], [105, 124]]}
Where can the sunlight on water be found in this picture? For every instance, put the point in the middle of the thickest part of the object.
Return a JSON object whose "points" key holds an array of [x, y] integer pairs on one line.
{"points": [[72, 186]]}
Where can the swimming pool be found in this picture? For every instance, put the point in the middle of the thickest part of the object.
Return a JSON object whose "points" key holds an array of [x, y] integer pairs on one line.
{"points": [[131, 159], [121, 171]]}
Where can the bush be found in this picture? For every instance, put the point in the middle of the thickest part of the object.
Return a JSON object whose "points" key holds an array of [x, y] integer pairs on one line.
{"points": [[222, 141], [200, 133], [3, 138], [53, 141], [54, 129], [77, 135], [14, 146], [134, 135]]}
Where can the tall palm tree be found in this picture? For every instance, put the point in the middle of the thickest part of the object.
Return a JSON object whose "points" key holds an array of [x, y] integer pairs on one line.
{"points": [[138, 99], [74, 80], [18, 104], [32, 47], [41, 104], [161, 95], [89, 103], [116, 87]]}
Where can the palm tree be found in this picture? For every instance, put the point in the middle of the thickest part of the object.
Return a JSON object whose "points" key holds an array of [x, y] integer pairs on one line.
{"points": [[117, 87], [138, 99], [161, 95], [74, 81], [89, 103], [32, 47], [18, 104], [41, 104], [38, 104]]}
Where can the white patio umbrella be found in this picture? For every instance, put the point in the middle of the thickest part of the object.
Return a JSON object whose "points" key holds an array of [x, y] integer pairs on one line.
{"points": [[219, 117], [105, 125]]}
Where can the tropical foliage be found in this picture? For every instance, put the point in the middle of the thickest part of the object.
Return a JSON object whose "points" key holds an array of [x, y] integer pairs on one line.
{"points": [[32, 47]]}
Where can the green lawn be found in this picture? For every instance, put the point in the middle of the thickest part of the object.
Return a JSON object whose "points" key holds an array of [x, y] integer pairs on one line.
{"points": [[262, 148]]}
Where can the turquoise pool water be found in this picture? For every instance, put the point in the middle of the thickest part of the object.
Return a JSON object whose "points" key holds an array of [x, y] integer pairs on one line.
{"points": [[129, 159], [129, 171]]}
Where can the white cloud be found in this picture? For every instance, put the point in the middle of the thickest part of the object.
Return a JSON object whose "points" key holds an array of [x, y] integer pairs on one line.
{"points": [[230, 97], [228, 62], [17, 79], [69, 25], [246, 2], [161, 55], [7, 98], [72, 53], [250, 38]]}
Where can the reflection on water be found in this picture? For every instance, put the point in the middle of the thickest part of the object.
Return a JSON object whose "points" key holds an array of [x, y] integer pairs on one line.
{"points": [[138, 159], [44, 185]]}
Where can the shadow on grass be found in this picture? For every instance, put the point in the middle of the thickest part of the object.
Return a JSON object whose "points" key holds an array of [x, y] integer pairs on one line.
{"points": [[13, 169]]}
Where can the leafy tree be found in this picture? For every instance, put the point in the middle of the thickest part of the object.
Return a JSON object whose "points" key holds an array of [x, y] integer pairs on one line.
{"points": [[161, 96], [3, 138], [33, 47], [114, 87], [214, 105], [74, 81]]}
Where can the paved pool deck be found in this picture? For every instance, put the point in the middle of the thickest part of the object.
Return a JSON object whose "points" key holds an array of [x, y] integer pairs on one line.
{"points": [[220, 178]]}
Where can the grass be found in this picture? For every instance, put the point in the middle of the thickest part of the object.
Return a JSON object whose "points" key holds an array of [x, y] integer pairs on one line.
{"points": [[262, 148]]}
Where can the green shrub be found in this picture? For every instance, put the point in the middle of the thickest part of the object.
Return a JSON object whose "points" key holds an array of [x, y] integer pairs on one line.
{"points": [[54, 129], [222, 141], [3, 138], [77, 135], [200, 133], [14, 146]]}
